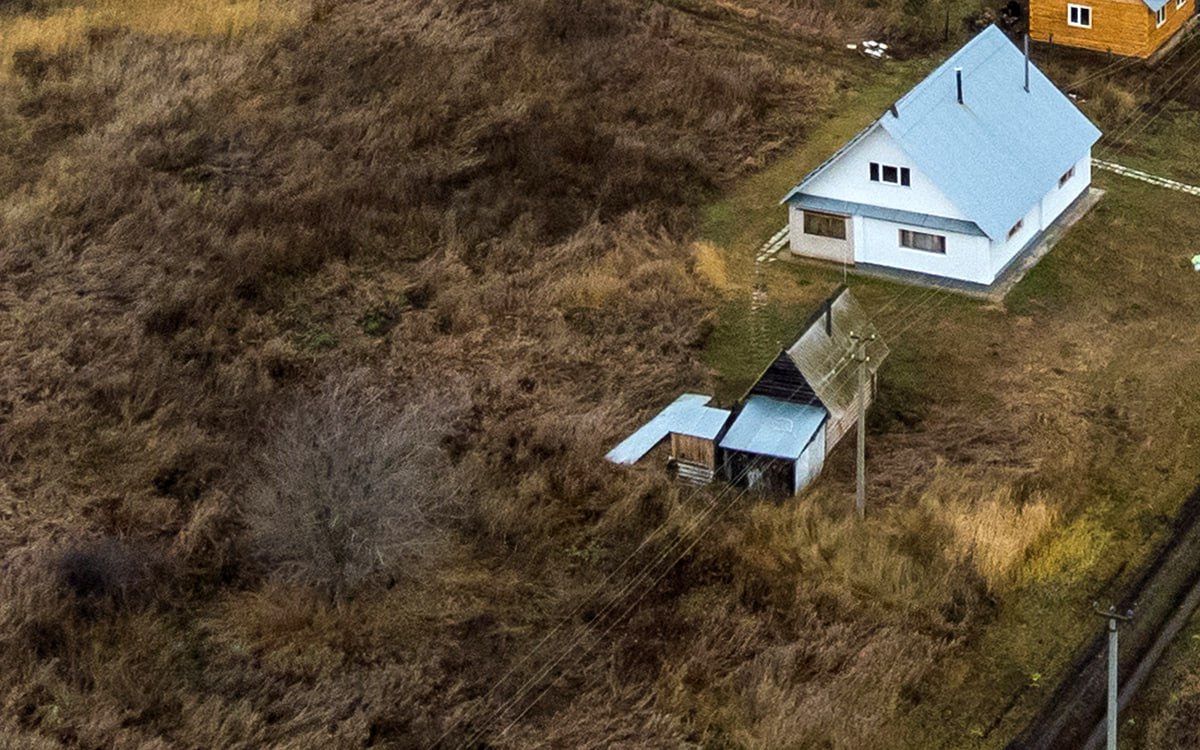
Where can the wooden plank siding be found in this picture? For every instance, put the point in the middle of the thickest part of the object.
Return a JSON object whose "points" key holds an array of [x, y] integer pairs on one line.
{"points": [[1122, 27], [835, 430], [694, 450], [783, 381]]}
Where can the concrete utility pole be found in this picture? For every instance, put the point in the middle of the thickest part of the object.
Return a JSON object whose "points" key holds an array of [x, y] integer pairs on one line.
{"points": [[1112, 617], [860, 356]]}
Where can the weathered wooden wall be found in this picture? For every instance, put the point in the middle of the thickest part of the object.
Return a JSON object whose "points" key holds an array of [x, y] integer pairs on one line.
{"points": [[694, 450]]}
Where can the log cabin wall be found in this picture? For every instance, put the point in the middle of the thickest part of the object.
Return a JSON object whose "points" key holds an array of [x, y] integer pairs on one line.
{"points": [[1118, 26]]}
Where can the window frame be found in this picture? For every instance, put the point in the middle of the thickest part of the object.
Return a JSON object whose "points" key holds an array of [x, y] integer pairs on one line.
{"points": [[1079, 11], [1180, 3], [1160, 17], [819, 217], [878, 170], [909, 239], [1066, 176]]}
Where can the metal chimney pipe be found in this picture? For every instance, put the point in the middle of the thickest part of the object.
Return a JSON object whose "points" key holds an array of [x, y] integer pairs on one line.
{"points": [[958, 79], [1027, 63]]}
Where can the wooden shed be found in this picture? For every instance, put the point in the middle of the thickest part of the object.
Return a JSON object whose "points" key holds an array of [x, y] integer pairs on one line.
{"points": [[693, 428], [806, 400], [1132, 28]]}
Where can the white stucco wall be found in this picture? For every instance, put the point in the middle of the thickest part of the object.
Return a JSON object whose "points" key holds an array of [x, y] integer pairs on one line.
{"points": [[849, 179], [815, 246], [1000, 253], [966, 258], [1057, 200]]}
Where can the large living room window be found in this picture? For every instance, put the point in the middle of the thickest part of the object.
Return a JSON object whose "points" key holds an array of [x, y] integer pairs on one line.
{"points": [[1079, 15], [930, 243], [825, 225]]}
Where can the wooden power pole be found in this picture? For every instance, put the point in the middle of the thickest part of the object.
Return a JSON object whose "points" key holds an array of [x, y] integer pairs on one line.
{"points": [[861, 356]]}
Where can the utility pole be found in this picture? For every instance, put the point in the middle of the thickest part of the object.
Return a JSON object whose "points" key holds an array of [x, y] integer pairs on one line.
{"points": [[1113, 618], [860, 356]]}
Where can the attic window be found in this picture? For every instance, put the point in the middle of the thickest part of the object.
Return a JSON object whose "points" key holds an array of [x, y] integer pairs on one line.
{"points": [[1079, 15], [1161, 16], [1066, 177], [892, 175]]}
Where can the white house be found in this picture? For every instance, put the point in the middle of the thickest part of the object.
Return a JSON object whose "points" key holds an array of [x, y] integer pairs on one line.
{"points": [[956, 178]]}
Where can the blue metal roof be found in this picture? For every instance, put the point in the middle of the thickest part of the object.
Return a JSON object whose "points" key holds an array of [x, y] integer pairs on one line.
{"points": [[770, 427], [1155, 5], [818, 203], [686, 415], [997, 154]]}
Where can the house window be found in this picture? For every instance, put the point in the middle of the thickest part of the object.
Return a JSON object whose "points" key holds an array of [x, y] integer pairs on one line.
{"points": [[1079, 15], [1180, 3], [930, 243], [1016, 228], [890, 174], [825, 225], [1066, 177], [1161, 15]]}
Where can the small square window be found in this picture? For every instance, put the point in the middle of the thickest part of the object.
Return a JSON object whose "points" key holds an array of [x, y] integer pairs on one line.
{"points": [[874, 171], [1066, 177], [1016, 228], [891, 174]]}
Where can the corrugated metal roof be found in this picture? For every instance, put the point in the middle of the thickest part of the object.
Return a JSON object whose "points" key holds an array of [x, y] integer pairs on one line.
{"points": [[686, 415], [769, 427], [928, 221], [1155, 5], [825, 359], [999, 153]]}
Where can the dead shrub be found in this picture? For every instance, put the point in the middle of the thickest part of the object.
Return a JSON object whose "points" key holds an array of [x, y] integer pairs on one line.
{"points": [[349, 484]]}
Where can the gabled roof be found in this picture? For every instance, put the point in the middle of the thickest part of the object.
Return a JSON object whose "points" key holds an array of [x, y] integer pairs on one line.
{"points": [[1155, 5], [769, 427], [823, 353], [686, 415], [997, 154]]}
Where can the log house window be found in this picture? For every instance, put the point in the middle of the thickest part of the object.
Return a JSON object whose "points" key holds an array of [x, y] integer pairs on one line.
{"points": [[930, 243], [825, 225], [890, 174], [1180, 3], [1079, 15], [1161, 16]]}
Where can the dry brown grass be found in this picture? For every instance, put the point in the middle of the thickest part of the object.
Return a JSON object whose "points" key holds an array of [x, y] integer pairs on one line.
{"points": [[66, 26]]}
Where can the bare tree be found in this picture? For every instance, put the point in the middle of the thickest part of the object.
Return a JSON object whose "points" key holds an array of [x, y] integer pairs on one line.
{"points": [[349, 484]]}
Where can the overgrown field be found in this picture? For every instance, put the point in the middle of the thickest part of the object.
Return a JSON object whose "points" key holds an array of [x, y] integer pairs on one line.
{"points": [[315, 321]]}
